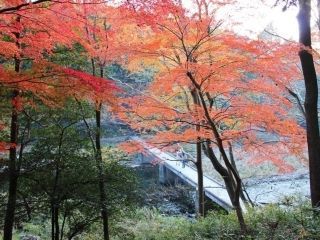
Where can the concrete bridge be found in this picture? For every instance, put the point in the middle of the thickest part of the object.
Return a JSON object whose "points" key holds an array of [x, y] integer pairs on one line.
{"points": [[268, 190], [171, 170]]}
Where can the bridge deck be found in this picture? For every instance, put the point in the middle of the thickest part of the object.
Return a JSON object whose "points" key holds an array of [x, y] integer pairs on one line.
{"points": [[213, 189]]}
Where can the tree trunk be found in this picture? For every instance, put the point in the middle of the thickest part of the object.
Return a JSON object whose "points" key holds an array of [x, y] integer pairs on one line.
{"points": [[201, 212], [63, 224], [52, 220], [96, 144], [198, 163], [13, 171], [102, 187], [311, 100], [56, 222], [103, 197], [231, 183], [229, 172], [233, 163], [55, 228]]}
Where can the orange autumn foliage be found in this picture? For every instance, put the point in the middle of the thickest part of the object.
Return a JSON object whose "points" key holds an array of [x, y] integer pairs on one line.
{"points": [[242, 83], [28, 35]]}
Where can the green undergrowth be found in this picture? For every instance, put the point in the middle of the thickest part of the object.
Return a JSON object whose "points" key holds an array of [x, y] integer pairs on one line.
{"points": [[270, 222], [267, 223]]}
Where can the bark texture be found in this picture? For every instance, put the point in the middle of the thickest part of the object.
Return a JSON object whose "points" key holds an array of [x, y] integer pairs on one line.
{"points": [[311, 99]]}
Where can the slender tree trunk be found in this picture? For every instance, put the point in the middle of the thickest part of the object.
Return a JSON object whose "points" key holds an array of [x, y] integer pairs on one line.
{"points": [[228, 173], [52, 220], [96, 144], [231, 183], [103, 196], [311, 100], [13, 171], [233, 163], [200, 180], [198, 163], [56, 222], [55, 232], [55, 194], [102, 187], [55, 228], [27, 208], [63, 224]]}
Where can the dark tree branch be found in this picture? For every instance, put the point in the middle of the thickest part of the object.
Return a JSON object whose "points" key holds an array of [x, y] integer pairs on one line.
{"points": [[18, 7]]}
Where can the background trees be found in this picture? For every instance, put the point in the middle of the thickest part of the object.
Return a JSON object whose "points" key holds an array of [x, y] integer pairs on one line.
{"points": [[58, 178]]}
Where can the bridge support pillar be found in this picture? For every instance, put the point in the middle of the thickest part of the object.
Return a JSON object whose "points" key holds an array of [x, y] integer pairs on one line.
{"points": [[196, 200], [166, 177], [162, 174]]}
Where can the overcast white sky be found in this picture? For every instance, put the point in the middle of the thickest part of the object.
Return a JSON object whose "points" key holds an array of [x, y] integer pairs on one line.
{"points": [[251, 17]]}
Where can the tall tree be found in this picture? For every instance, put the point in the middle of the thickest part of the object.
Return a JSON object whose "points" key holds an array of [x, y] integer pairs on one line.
{"points": [[311, 99], [27, 38], [13, 171], [99, 32]]}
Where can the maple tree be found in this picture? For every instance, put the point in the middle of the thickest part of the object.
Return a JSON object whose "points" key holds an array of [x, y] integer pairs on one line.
{"points": [[102, 33], [16, 47], [218, 89], [27, 37]]}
